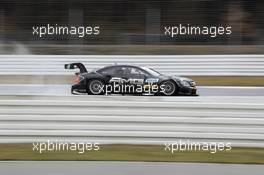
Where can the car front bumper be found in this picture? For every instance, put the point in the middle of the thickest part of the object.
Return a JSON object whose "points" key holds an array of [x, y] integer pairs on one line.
{"points": [[191, 90]]}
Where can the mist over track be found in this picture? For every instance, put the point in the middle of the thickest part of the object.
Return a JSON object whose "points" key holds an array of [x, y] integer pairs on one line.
{"points": [[30, 112], [184, 65]]}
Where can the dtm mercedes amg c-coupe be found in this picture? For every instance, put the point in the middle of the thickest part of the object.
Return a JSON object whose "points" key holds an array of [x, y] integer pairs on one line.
{"points": [[128, 79]]}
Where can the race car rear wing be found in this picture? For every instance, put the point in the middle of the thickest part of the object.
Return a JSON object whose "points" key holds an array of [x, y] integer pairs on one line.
{"points": [[79, 66]]}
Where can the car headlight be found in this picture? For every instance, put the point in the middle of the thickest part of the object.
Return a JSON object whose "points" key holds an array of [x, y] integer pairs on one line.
{"points": [[185, 83], [192, 83]]}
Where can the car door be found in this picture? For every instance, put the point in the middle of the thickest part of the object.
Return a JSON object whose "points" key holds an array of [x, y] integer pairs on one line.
{"points": [[118, 75], [134, 75]]}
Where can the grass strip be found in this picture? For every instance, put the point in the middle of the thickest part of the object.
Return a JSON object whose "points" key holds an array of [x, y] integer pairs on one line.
{"points": [[147, 153], [200, 80], [228, 80]]}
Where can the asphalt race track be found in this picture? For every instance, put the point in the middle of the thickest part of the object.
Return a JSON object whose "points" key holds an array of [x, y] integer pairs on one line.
{"points": [[64, 90], [116, 119], [125, 168], [49, 111]]}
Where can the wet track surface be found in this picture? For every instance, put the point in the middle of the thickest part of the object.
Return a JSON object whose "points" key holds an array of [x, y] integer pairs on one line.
{"points": [[126, 168], [64, 90], [242, 106]]}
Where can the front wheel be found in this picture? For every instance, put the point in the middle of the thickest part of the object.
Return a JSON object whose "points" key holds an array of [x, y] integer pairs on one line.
{"points": [[95, 87], [168, 88]]}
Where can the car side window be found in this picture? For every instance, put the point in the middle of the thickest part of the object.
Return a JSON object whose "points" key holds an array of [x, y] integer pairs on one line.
{"points": [[121, 71], [107, 71], [137, 71]]}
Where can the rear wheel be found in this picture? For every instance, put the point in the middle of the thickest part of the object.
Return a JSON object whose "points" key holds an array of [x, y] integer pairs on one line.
{"points": [[95, 87], [169, 88]]}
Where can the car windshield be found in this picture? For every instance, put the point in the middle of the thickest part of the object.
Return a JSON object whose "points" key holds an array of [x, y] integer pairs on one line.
{"points": [[151, 71]]}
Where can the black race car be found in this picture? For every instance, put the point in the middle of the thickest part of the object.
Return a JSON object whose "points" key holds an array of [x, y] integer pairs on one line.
{"points": [[128, 79]]}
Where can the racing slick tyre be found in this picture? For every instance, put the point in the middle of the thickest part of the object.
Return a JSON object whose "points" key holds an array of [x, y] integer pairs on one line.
{"points": [[168, 88], [95, 87]]}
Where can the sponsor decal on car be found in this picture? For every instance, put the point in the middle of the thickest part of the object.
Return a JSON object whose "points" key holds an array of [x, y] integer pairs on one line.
{"points": [[126, 81]]}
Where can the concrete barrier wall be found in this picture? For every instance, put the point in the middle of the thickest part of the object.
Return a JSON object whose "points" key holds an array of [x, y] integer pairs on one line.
{"points": [[185, 65]]}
